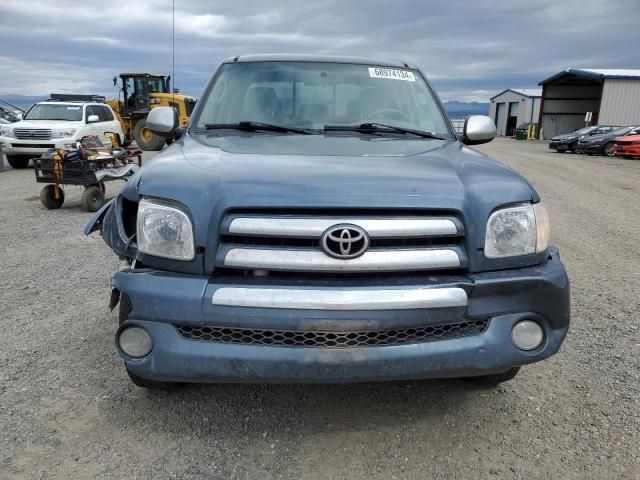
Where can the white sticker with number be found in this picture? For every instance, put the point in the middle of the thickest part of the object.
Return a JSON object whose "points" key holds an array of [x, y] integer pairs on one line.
{"points": [[391, 73]]}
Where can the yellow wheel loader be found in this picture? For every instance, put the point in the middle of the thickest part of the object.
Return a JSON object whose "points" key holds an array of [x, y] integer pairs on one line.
{"points": [[140, 93]]}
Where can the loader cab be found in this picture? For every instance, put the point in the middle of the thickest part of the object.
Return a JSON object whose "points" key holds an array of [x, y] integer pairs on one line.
{"points": [[137, 88]]}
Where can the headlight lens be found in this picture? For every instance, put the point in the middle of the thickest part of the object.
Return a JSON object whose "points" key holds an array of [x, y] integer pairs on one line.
{"points": [[164, 230], [6, 132], [515, 231], [63, 133]]}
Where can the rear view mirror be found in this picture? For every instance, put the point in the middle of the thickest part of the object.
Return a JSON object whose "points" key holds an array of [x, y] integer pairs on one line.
{"points": [[478, 129], [93, 119]]}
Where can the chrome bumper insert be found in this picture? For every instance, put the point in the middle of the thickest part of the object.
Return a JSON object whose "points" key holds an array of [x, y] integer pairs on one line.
{"points": [[401, 298], [317, 261]]}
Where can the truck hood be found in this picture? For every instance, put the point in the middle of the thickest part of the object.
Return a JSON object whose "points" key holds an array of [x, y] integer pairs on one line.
{"points": [[46, 124], [566, 136], [210, 174]]}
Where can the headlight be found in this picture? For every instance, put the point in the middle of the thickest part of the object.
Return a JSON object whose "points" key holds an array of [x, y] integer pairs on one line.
{"points": [[164, 230], [63, 133], [514, 231], [6, 132]]}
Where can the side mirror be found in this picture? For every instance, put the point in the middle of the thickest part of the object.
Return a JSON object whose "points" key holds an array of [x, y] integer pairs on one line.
{"points": [[93, 119], [478, 129], [163, 121]]}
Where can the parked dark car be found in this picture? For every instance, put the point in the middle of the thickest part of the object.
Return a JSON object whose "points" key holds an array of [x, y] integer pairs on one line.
{"points": [[319, 220], [568, 141], [604, 143]]}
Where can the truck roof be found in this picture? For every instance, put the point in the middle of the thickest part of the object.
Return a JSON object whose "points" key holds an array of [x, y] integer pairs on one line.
{"points": [[298, 57], [141, 74]]}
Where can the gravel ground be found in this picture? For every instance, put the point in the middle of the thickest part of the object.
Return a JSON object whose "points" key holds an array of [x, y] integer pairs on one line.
{"points": [[67, 409]]}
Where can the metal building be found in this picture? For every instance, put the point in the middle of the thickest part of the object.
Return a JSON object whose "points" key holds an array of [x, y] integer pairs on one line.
{"points": [[611, 95], [513, 107]]}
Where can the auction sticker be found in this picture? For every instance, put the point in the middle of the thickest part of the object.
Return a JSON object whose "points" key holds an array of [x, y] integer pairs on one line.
{"points": [[391, 73]]}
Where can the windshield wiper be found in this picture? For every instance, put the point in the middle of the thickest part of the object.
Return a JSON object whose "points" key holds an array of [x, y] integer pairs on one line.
{"points": [[253, 126], [372, 127]]}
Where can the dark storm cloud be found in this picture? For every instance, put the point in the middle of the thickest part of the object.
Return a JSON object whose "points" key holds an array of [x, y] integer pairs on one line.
{"points": [[470, 49]]}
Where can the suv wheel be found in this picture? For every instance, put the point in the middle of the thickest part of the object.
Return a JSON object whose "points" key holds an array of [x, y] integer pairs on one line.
{"points": [[18, 161], [145, 138], [492, 381]]}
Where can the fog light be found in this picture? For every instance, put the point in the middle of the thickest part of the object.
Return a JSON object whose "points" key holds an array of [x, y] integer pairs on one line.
{"points": [[527, 335], [135, 342]]}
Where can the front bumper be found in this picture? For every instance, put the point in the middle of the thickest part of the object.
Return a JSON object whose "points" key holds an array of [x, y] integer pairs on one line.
{"points": [[12, 146], [628, 151], [561, 144], [161, 301]]}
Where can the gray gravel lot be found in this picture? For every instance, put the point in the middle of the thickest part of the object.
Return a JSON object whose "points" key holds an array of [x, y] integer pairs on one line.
{"points": [[67, 409]]}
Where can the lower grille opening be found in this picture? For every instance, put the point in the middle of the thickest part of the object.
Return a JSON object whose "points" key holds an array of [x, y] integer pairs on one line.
{"points": [[299, 338]]}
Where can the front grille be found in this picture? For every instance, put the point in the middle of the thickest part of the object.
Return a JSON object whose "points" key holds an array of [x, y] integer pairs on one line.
{"points": [[32, 133], [314, 339], [281, 241]]}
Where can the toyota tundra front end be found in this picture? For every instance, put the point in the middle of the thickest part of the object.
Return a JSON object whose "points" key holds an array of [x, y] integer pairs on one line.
{"points": [[320, 221]]}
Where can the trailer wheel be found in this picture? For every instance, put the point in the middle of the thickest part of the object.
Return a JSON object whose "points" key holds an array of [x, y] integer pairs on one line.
{"points": [[48, 197], [145, 138], [18, 161], [92, 198]]}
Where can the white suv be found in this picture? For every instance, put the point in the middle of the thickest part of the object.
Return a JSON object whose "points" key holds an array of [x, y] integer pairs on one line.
{"points": [[54, 124]]}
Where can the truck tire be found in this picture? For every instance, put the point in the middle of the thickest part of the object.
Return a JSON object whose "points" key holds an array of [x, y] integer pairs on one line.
{"points": [[48, 197], [124, 310], [18, 161], [92, 198], [145, 138], [492, 381]]}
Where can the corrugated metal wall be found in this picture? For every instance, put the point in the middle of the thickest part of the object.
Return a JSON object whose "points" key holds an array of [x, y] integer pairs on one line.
{"points": [[565, 107], [620, 102], [534, 116], [523, 110]]}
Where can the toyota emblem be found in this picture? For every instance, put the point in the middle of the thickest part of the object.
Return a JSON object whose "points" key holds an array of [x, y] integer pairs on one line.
{"points": [[345, 241]]}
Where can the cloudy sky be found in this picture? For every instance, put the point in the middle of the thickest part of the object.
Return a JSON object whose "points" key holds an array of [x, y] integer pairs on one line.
{"points": [[471, 49]]}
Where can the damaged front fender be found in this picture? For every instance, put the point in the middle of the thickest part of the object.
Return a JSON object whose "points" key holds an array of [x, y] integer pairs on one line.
{"points": [[108, 221], [96, 221]]}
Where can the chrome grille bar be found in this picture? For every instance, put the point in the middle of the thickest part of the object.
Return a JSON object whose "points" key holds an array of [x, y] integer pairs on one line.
{"points": [[32, 133], [293, 259], [340, 298], [314, 227]]}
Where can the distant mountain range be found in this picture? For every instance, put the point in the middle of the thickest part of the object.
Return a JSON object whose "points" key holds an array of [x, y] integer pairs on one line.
{"points": [[458, 110], [454, 108], [22, 101]]}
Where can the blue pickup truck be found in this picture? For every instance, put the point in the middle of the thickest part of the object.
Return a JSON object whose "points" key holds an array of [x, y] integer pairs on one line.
{"points": [[319, 220]]}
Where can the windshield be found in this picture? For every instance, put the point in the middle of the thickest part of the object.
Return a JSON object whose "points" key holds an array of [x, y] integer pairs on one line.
{"points": [[584, 130], [51, 111], [312, 95], [621, 131]]}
